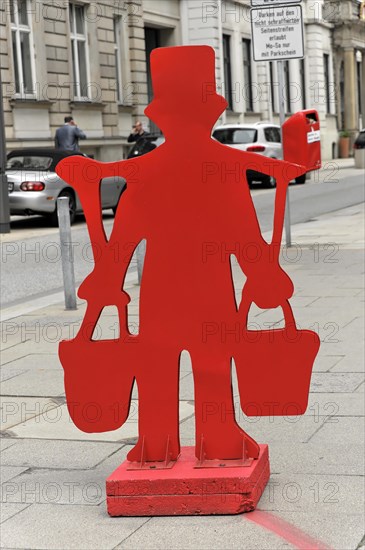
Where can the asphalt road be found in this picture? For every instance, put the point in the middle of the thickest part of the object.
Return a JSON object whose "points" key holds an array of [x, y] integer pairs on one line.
{"points": [[338, 190], [30, 255]]}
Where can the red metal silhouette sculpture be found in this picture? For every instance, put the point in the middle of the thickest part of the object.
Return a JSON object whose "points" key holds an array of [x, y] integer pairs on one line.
{"points": [[190, 200]]}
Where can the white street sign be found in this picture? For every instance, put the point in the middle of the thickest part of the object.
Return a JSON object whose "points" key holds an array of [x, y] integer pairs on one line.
{"points": [[256, 3], [277, 33]]}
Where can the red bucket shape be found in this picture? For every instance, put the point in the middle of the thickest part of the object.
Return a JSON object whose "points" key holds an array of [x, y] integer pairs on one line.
{"points": [[274, 369], [98, 382]]}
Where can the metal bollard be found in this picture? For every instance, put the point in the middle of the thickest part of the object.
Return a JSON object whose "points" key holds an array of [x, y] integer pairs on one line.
{"points": [[68, 272], [140, 253]]}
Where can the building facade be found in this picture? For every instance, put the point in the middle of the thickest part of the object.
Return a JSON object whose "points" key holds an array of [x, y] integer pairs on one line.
{"points": [[90, 59]]}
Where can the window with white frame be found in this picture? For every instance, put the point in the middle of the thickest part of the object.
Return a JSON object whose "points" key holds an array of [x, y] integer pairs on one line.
{"points": [[273, 87], [118, 60], [303, 84], [247, 71], [79, 47], [327, 90], [360, 99], [22, 48], [287, 86], [228, 93]]}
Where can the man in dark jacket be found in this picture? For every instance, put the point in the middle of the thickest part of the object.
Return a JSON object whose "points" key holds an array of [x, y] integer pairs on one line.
{"points": [[67, 136], [137, 132]]}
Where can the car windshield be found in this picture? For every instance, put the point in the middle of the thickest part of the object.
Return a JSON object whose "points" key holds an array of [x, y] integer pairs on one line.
{"points": [[31, 162], [231, 136]]}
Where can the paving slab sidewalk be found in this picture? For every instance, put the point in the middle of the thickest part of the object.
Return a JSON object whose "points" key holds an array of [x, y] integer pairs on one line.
{"points": [[52, 486]]}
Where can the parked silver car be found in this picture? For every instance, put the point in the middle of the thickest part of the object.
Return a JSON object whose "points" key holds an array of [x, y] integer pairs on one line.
{"points": [[34, 186], [262, 137]]}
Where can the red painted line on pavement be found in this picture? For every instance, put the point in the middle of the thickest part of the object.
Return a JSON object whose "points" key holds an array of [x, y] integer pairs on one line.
{"points": [[285, 530]]}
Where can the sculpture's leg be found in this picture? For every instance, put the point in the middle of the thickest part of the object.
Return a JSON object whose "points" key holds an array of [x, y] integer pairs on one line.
{"points": [[158, 398], [217, 433]]}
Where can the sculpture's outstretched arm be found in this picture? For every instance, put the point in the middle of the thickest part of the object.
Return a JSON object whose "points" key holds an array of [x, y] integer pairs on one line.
{"points": [[267, 284], [105, 282], [283, 172], [273, 167], [85, 175]]}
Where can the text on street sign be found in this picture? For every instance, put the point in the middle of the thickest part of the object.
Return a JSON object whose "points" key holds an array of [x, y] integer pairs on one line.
{"points": [[277, 33]]}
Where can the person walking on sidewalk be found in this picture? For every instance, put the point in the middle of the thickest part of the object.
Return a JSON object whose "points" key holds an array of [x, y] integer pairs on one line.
{"points": [[67, 136]]}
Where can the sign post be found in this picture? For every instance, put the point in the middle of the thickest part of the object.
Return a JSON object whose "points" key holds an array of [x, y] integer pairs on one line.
{"points": [[277, 35], [63, 213], [281, 80]]}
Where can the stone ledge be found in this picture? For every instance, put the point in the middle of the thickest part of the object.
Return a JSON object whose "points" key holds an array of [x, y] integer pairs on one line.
{"points": [[26, 103], [87, 105]]}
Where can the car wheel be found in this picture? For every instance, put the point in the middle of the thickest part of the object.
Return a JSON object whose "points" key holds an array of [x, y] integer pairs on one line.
{"points": [[269, 182], [72, 208], [301, 179]]}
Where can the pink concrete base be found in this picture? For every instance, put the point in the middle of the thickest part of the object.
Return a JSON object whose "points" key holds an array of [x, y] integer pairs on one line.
{"points": [[185, 490]]}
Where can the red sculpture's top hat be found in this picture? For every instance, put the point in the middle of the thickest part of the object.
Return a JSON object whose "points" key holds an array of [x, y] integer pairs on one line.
{"points": [[183, 79]]}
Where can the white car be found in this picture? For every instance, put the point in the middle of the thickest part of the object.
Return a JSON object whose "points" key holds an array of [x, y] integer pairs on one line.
{"points": [[262, 137]]}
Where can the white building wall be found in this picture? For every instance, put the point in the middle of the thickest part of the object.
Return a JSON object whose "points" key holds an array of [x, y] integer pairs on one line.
{"points": [[205, 22], [201, 23], [261, 92], [317, 44]]}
